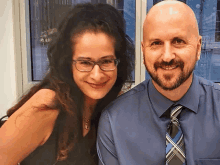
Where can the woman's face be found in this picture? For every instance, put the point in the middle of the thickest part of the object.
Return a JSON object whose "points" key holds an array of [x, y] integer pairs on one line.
{"points": [[94, 47]]}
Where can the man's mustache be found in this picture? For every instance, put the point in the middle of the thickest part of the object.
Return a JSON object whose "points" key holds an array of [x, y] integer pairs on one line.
{"points": [[172, 63]]}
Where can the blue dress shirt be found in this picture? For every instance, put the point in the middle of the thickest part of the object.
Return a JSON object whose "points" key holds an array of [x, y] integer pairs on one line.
{"points": [[132, 129]]}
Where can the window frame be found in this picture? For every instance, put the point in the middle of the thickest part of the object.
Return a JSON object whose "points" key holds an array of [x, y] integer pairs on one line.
{"points": [[22, 46]]}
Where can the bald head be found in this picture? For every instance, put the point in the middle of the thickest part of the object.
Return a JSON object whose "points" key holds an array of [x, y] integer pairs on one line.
{"points": [[170, 11]]}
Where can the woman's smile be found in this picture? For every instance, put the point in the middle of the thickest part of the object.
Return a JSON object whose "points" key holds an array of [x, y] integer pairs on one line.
{"points": [[97, 85]]}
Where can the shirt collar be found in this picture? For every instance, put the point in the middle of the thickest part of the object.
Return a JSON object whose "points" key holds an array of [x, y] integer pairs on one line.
{"points": [[190, 100], [159, 102]]}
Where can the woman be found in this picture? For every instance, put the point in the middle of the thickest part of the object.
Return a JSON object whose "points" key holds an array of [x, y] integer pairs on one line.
{"points": [[56, 121]]}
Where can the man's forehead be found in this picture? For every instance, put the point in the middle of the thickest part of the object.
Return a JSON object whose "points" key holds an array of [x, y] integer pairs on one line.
{"points": [[158, 33]]}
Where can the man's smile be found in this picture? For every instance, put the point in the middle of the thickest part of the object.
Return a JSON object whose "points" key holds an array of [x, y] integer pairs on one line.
{"points": [[169, 67]]}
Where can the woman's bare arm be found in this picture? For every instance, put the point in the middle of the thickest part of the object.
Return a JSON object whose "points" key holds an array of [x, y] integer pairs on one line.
{"points": [[27, 128]]}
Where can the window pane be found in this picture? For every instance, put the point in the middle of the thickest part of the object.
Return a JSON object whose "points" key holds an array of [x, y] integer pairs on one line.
{"points": [[45, 16], [208, 16]]}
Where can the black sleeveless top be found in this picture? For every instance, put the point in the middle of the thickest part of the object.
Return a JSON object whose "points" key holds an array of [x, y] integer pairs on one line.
{"points": [[81, 155]]}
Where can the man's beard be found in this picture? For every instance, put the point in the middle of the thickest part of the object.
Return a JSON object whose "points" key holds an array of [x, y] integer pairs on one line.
{"points": [[180, 80]]}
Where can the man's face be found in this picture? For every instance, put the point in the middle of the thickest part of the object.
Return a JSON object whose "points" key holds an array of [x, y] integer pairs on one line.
{"points": [[170, 50]]}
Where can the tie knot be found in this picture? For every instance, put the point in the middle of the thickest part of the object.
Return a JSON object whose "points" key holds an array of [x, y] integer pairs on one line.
{"points": [[175, 111]]}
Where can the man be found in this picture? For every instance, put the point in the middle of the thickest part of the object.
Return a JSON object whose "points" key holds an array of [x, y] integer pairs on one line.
{"points": [[174, 118]]}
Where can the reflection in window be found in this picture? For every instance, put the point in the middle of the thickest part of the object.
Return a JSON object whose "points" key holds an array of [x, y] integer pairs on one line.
{"points": [[156, 1], [206, 12], [217, 30]]}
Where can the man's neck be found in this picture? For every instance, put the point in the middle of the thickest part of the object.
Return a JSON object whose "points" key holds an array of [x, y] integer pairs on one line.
{"points": [[176, 94]]}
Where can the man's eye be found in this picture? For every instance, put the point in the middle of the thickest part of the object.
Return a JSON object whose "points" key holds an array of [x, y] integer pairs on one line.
{"points": [[156, 43], [178, 41]]}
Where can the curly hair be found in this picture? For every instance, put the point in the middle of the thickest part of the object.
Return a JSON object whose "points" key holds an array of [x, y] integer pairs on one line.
{"points": [[69, 98]]}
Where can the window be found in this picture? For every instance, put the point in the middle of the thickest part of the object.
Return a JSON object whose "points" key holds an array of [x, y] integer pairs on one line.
{"points": [[208, 66], [45, 16]]}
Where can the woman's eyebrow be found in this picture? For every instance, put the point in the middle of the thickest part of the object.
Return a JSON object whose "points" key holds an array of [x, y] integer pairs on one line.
{"points": [[83, 58], [108, 56], [88, 58]]}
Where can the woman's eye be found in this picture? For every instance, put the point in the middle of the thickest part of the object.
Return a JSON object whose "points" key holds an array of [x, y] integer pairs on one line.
{"points": [[107, 61], [85, 63]]}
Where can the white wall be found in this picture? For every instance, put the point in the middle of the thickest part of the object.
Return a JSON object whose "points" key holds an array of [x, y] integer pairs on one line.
{"points": [[7, 57]]}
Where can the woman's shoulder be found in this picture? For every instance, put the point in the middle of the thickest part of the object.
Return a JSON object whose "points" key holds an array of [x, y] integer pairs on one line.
{"points": [[28, 127], [38, 102], [38, 111], [37, 107], [43, 96]]}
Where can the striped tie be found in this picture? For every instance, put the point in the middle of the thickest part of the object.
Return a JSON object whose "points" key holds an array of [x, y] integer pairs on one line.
{"points": [[174, 140]]}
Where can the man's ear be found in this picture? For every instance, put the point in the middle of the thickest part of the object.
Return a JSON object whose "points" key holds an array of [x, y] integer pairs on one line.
{"points": [[199, 47], [142, 48]]}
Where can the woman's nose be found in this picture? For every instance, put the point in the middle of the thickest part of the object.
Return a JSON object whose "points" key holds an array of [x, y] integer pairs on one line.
{"points": [[96, 73]]}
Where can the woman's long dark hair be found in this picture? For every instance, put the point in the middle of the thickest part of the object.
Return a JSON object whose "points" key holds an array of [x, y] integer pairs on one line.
{"points": [[69, 98]]}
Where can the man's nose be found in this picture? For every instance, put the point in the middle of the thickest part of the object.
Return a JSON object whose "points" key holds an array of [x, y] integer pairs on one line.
{"points": [[168, 54], [96, 73]]}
